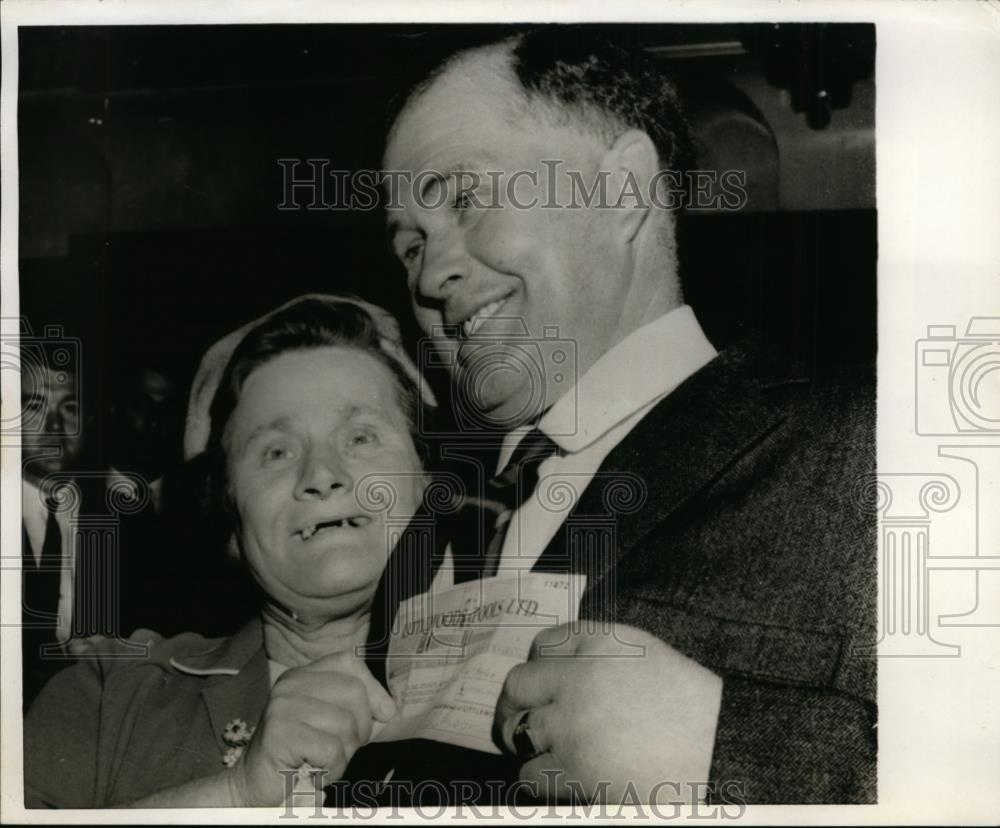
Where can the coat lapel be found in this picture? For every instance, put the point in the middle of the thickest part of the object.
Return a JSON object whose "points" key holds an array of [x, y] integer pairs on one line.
{"points": [[686, 442], [242, 697], [237, 686]]}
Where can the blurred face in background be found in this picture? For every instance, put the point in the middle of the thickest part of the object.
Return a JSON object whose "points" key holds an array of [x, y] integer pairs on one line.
{"points": [[52, 438], [147, 421]]}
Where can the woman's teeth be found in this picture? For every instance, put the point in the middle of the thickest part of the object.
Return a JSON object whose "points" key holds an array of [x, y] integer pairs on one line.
{"points": [[359, 520], [485, 312]]}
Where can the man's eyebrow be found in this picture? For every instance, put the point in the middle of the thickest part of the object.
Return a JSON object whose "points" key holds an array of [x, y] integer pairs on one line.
{"points": [[466, 166], [392, 228], [437, 178]]}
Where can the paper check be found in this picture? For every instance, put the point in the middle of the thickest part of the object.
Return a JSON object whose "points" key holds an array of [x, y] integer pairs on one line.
{"points": [[451, 650]]}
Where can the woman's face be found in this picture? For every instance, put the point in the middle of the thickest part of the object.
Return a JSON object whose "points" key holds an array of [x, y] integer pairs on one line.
{"points": [[315, 440]]}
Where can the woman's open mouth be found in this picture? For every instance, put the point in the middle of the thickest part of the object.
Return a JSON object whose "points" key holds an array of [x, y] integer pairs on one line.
{"points": [[327, 526]]}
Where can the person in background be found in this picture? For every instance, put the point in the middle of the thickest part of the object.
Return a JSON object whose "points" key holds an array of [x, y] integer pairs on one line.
{"points": [[145, 427], [52, 448], [158, 542]]}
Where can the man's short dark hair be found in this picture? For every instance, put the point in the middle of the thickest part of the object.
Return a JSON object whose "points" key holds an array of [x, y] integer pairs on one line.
{"points": [[580, 73]]}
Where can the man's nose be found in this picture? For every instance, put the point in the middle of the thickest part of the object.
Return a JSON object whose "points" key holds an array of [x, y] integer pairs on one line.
{"points": [[54, 420], [444, 266], [323, 472]]}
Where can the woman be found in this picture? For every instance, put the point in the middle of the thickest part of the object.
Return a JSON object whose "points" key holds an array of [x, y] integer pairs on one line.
{"points": [[311, 423]]}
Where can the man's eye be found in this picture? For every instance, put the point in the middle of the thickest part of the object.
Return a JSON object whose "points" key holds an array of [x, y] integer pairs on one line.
{"points": [[463, 201], [411, 253]]}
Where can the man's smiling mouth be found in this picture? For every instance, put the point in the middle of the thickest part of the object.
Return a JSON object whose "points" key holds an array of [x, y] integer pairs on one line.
{"points": [[353, 522], [478, 317]]}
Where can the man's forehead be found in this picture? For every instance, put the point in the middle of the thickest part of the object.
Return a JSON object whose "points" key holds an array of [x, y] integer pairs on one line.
{"points": [[45, 380], [474, 88]]}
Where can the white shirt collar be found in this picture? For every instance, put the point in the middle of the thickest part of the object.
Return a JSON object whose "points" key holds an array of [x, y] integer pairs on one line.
{"points": [[31, 497], [645, 366], [34, 516]]}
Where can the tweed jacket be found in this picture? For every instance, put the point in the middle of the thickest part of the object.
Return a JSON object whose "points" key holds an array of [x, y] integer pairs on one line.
{"points": [[121, 725], [754, 553]]}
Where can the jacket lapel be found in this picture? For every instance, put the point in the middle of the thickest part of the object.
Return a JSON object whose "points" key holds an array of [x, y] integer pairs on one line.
{"points": [[686, 442], [238, 685], [242, 697]]}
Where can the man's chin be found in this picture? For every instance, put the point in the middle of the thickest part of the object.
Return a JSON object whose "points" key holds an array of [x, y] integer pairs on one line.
{"points": [[505, 418], [35, 468], [498, 406]]}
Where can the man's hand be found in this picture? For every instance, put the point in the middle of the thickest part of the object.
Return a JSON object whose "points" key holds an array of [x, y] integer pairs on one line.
{"points": [[318, 715], [622, 707]]}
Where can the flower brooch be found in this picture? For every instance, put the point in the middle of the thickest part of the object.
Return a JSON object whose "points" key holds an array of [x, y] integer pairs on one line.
{"points": [[237, 735]]}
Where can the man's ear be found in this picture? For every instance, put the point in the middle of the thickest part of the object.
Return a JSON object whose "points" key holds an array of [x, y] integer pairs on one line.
{"points": [[632, 163]]}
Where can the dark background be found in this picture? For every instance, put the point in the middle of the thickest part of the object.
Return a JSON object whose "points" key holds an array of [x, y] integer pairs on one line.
{"points": [[149, 180]]}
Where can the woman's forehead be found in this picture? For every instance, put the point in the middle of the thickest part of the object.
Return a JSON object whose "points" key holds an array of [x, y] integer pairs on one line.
{"points": [[328, 382]]}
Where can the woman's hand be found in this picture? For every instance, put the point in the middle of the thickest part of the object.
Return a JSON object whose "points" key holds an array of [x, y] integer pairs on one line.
{"points": [[318, 715]]}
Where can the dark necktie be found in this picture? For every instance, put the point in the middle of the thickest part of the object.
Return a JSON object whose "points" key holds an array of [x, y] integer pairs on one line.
{"points": [[504, 495], [40, 584], [42, 589], [40, 608]]}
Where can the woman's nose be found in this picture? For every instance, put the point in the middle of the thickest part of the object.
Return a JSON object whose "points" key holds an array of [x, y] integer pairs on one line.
{"points": [[323, 473]]}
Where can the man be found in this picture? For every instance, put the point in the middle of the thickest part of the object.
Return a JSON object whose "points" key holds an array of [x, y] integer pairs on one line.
{"points": [[740, 582], [52, 445]]}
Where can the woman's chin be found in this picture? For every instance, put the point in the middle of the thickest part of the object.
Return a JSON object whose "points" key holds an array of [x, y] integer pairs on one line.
{"points": [[322, 600]]}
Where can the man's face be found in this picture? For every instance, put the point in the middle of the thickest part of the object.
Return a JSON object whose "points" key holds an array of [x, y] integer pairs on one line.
{"points": [[50, 414], [317, 438], [501, 277]]}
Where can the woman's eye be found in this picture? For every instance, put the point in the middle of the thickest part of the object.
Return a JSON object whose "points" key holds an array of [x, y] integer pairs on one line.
{"points": [[275, 454], [463, 201], [364, 437]]}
